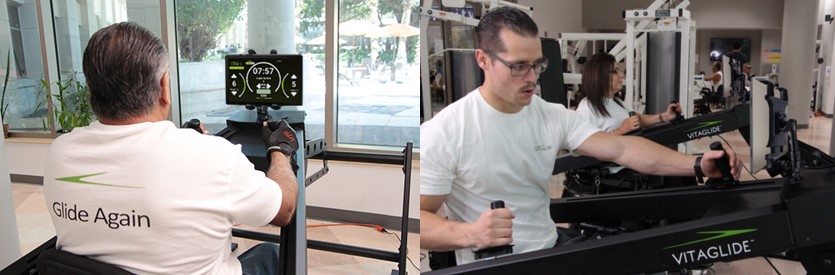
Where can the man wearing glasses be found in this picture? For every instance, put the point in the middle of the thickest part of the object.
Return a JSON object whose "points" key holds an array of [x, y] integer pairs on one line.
{"points": [[500, 142]]}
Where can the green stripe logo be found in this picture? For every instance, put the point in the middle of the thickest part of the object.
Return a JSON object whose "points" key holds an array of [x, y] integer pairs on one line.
{"points": [[79, 180], [705, 124], [719, 234]]}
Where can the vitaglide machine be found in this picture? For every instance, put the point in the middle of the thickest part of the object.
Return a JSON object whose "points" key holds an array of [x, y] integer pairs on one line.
{"points": [[727, 220]]}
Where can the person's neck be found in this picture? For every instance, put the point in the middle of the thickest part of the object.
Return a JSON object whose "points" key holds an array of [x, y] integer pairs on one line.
{"points": [[132, 120], [496, 102]]}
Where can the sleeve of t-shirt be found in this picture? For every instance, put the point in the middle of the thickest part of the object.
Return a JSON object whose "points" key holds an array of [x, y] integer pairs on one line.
{"points": [[576, 128], [584, 111], [254, 199], [437, 160]]}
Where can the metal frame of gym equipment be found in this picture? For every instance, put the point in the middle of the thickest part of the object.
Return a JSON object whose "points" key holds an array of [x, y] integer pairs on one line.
{"points": [[427, 13], [660, 16]]}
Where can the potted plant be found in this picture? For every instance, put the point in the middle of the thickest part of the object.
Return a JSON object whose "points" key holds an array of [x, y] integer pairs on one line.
{"points": [[3, 105], [70, 105]]}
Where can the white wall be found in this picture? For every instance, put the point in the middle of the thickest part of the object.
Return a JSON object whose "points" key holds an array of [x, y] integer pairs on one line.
{"points": [[556, 16], [367, 188], [9, 240], [27, 158], [708, 14], [771, 39], [360, 187], [703, 46]]}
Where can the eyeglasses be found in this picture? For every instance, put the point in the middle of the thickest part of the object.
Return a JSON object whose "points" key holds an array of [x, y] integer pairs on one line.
{"points": [[617, 70], [522, 69]]}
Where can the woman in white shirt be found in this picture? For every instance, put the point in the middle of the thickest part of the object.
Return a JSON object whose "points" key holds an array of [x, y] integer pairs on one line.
{"points": [[601, 80]]}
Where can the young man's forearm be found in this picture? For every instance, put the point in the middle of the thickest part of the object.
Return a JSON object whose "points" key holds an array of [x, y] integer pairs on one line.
{"points": [[439, 234], [648, 157]]}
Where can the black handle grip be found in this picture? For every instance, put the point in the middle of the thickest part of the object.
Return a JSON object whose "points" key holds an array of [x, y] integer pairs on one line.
{"points": [[679, 116], [632, 113], [722, 163], [193, 124], [496, 250]]}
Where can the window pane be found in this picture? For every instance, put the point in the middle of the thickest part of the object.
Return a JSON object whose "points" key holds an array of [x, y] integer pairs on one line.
{"points": [[75, 21], [20, 45], [239, 26], [378, 73], [310, 18]]}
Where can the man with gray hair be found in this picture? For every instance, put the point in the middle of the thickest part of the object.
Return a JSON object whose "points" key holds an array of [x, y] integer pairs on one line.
{"points": [[135, 191]]}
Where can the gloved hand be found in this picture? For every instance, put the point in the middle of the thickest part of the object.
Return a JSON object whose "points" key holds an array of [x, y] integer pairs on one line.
{"points": [[279, 136]]}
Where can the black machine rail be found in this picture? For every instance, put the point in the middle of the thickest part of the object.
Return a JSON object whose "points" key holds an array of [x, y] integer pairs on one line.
{"points": [[748, 220], [675, 133]]}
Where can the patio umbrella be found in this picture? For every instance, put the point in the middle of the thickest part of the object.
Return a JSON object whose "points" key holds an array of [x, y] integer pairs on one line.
{"points": [[321, 41], [355, 28], [395, 30]]}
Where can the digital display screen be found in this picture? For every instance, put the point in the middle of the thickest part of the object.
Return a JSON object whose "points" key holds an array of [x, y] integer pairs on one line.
{"points": [[264, 80]]}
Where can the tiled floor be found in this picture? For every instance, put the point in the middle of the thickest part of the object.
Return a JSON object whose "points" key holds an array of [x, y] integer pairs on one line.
{"points": [[35, 227], [817, 134]]}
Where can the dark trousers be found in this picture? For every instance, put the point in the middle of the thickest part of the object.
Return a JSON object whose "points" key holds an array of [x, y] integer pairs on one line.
{"points": [[261, 259]]}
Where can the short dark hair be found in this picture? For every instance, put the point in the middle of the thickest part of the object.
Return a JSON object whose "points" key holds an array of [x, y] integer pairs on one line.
{"points": [[123, 64], [597, 81], [511, 18], [737, 45]]}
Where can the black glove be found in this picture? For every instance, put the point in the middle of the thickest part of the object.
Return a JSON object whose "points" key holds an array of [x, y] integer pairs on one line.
{"points": [[193, 124], [279, 136]]}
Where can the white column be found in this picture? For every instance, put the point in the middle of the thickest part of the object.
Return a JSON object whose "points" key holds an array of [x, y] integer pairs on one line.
{"points": [[145, 13], [9, 240], [798, 55], [5, 33], [271, 25], [30, 34], [67, 35], [827, 97]]}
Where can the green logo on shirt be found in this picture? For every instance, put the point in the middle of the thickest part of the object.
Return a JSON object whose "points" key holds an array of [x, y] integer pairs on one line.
{"points": [[541, 148], [78, 179]]}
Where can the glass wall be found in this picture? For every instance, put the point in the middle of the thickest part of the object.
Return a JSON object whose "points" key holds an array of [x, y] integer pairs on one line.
{"points": [[378, 73], [376, 66], [20, 48], [75, 22], [208, 31]]}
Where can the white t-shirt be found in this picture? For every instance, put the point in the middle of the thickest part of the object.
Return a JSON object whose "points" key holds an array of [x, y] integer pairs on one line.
{"points": [[475, 154], [617, 114], [154, 199], [715, 85]]}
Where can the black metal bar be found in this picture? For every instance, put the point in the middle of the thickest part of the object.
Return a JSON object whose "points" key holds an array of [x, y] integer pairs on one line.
{"points": [[362, 157], [652, 250], [404, 226], [314, 147], [287, 258], [316, 176], [353, 250], [255, 235], [320, 245]]}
